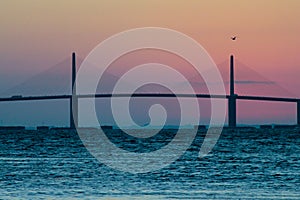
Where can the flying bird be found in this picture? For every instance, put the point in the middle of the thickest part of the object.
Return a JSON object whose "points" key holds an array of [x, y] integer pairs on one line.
{"points": [[233, 38]]}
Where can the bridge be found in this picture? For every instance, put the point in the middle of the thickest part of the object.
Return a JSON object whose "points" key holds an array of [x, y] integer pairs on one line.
{"points": [[231, 98]]}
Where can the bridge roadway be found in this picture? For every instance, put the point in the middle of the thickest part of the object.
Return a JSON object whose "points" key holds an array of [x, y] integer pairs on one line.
{"points": [[150, 95]]}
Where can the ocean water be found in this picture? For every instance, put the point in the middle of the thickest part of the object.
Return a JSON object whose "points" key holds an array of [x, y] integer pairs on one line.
{"points": [[244, 164]]}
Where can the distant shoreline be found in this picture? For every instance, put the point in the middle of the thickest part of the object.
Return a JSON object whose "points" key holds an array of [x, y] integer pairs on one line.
{"points": [[199, 127]]}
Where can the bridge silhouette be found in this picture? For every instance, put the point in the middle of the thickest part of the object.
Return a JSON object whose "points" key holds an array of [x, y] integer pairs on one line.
{"points": [[232, 97]]}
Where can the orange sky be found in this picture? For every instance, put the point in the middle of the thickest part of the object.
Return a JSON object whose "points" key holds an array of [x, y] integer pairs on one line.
{"points": [[37, 34]]}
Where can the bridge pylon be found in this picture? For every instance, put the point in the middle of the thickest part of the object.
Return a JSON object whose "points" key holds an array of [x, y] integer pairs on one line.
{"points": [[73, 98], [298, 113], [232, 97]]}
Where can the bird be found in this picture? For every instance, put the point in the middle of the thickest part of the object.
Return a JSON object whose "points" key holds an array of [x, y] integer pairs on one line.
{"points": [[233, 38]]}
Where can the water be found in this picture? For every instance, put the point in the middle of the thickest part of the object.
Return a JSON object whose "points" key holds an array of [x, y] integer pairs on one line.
{"points": [[245, 164]]}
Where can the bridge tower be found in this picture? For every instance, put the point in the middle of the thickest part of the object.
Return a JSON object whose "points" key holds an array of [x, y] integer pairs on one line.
{"points": [[232, 97], [298, 112], [73, 98]]}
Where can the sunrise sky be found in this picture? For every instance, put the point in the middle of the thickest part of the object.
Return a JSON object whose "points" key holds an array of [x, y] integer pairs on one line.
{"points": [[35, 34]]}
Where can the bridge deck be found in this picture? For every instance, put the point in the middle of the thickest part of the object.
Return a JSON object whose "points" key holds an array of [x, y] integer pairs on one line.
{"points": [[152, 95]]}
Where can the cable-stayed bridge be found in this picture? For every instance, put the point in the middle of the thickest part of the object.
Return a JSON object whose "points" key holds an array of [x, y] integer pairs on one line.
{"points": [[231, 98]]}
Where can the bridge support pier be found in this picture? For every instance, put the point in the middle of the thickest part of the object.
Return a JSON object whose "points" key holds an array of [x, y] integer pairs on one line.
{"points": [[232, 111], [298, 112], [73, 98]]}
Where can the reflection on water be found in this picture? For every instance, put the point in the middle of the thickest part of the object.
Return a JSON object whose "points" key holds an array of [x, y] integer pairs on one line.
{"points": [[244, 164]]}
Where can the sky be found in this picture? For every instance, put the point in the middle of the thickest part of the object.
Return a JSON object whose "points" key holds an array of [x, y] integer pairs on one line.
{"points": [[36, 35]]}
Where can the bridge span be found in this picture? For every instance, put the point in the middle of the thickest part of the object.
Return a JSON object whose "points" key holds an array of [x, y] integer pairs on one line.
{"points": [[232, 97]]}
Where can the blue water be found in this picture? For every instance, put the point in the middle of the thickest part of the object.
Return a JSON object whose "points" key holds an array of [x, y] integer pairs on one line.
{"points": [[245, 164]]}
